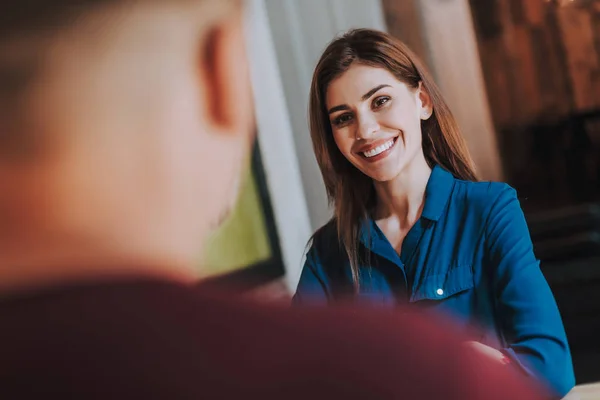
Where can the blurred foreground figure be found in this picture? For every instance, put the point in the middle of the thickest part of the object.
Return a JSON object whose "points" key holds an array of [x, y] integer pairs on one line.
{"points": [[124, 127]]}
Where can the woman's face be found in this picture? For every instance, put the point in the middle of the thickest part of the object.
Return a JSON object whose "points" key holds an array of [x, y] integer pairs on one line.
{"points": [[376, 120]]}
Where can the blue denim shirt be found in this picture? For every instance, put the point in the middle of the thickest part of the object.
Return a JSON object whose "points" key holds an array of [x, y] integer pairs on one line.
{"points": [[470, 256]]}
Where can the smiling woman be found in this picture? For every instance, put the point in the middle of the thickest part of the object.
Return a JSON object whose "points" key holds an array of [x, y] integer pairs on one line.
{"points": [[367, 131], [364, 81], [411, 225]]}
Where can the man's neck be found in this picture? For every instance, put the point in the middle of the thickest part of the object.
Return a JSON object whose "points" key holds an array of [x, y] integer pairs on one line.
{"points": [[34, 265]]}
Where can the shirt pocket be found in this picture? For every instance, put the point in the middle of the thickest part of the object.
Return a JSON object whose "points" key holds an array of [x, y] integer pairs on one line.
{"points": [[458, 279]]}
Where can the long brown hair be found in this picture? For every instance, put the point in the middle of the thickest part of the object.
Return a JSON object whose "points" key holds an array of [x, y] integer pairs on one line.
{"points": [[352, 193]]}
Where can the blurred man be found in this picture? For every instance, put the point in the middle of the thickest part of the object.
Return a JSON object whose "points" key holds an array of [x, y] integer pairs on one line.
{"points": [[124, 127]]}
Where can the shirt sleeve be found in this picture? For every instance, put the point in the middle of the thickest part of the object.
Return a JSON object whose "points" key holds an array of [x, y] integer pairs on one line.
{"points": [[312, 287], [526, 309]]}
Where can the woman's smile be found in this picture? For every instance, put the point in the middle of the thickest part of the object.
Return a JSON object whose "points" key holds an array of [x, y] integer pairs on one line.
{"points": [[377, 150]]}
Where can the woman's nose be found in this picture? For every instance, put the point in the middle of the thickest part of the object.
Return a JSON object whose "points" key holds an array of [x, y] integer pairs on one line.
{"points": [[367, 126]]}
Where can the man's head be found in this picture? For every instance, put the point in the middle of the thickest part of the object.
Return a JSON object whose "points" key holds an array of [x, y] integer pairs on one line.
{"points": [[123, 128]]}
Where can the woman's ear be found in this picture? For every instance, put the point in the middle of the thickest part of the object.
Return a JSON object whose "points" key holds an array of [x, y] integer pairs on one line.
{"points": [[425, 103]]}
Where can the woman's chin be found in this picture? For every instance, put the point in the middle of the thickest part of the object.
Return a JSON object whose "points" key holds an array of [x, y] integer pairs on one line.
{"points": [[383, 176]]}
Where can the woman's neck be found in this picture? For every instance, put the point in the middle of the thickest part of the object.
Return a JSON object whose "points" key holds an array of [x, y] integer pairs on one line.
{"points": [[403, 197]]}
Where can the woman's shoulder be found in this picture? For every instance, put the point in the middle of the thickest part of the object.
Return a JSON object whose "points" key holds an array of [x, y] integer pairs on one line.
{"points": [[478, 201], [483, 193], [326, 237], [481, 199], [325, 245]]}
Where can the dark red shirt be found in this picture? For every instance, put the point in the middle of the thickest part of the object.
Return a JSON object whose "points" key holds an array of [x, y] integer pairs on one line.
{"points": [[157, 340]]}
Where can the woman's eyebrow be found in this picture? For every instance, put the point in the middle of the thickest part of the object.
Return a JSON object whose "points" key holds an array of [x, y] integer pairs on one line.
{"points": [[363, 98]]}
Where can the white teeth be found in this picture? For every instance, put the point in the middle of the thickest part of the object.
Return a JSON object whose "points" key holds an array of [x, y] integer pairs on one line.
{"points": [[379, 149]]}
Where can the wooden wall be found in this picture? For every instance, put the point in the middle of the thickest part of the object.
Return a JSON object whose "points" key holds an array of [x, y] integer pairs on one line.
{"points": [[540, 60], [403, 20], [541, 65]]}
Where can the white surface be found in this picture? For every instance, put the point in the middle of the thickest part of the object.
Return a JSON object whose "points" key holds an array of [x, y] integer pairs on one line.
{"points": [[590, 391], [276, 143]]}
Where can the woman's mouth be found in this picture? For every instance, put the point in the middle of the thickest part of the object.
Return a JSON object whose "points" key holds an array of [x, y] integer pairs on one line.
{"points": [[380, 151]]}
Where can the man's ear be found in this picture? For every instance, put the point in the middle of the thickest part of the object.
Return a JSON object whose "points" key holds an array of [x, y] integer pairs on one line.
{"points": [[426, 103], [226, 76]]}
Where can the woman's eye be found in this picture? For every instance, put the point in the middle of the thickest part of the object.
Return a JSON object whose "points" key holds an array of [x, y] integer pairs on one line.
{"points": [[342, 119], [380, 101]]}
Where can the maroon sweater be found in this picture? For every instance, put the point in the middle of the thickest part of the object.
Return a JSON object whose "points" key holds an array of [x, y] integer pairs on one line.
{"points": [[156, 340]]}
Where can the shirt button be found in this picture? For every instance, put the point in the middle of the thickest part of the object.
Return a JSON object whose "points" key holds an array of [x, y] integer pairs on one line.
{"points": [[440, 292]]}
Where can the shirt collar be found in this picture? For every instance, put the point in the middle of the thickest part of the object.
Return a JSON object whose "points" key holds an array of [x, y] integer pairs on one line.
{"points": [[367, 230], [437, 193]]}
